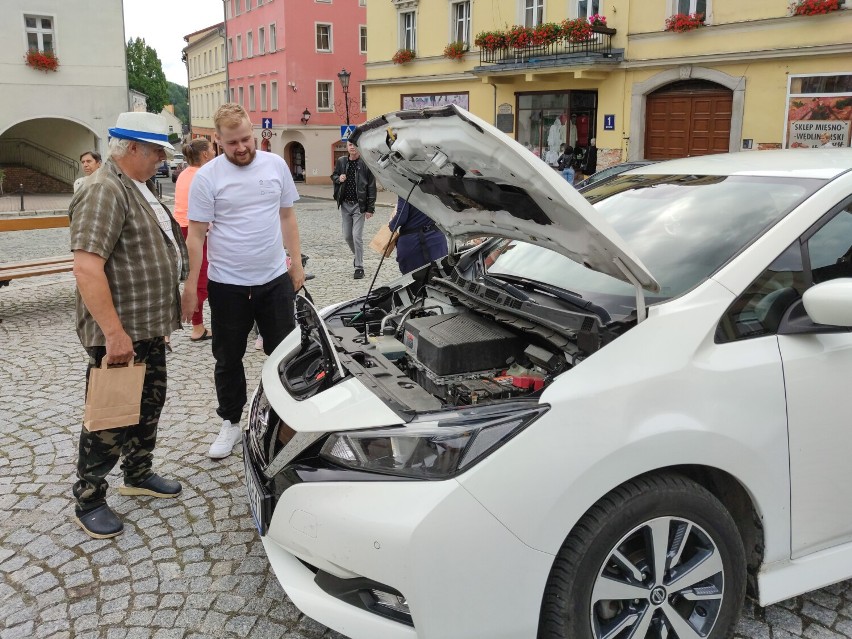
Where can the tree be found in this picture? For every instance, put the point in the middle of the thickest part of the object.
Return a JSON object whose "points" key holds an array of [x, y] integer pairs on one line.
{"points": [[145, 74], [179, 97]]}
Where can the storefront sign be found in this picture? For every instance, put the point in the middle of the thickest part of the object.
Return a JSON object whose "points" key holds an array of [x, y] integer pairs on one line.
{"points": [[424, 100], [818, 104], [807, 133]]}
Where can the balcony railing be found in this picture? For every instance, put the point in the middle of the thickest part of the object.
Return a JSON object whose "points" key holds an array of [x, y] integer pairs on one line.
{"points": [[599, 44]]}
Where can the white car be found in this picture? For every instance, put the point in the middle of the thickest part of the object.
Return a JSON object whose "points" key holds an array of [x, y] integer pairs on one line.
{"points": [[176, 161], [608, 421]]}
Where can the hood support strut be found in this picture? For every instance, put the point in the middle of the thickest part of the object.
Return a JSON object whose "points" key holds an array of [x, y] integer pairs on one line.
{"points": [[641, 311]]}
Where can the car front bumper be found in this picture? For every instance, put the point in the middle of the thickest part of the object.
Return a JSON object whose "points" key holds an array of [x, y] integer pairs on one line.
{"points": [[460, 571]]}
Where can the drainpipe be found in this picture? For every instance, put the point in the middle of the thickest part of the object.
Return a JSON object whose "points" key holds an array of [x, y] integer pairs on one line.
{"points": [[494, 86]]}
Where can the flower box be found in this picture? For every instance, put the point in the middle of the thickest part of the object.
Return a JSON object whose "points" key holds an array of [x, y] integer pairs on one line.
{"points": [[42, 60], [680, 22], [455, 50], [815, 7], [403, 55], [605, 30]]}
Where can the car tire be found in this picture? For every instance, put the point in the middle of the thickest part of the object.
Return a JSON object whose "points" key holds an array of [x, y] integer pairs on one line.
{"points": [[604, 575]]}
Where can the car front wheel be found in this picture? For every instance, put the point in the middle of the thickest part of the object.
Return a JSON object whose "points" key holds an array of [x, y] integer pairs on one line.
{"points": [[658, 558]]}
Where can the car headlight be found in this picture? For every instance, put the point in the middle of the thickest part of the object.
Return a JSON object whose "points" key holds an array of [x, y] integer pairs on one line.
{"points": [[434, 447]]}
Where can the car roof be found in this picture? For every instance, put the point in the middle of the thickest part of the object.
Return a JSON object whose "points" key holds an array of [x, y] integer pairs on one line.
{"points": [[815, 163]]}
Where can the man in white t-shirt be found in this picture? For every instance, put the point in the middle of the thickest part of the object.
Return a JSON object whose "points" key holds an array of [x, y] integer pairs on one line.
{"points": [[244, 198]]}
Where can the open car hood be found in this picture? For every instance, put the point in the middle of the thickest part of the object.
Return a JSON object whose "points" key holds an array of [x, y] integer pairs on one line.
{"points": [[473, 180]]}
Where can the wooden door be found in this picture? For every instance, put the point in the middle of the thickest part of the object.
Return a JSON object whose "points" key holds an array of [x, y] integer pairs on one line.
{"points": [[679, 125]]}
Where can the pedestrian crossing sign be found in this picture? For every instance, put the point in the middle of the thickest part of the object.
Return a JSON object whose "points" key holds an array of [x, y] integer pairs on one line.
{"points": [[346, 130]]}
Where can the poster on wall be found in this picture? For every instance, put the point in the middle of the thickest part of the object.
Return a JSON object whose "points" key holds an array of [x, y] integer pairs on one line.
{"points": [[423, 100], [818, 121]]}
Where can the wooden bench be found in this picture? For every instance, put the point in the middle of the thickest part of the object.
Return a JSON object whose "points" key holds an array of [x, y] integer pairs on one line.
{"points": [[41, 266]]}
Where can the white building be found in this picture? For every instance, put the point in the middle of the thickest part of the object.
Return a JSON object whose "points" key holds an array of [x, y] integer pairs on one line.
{"points": [[48, 118], [175, 125]]}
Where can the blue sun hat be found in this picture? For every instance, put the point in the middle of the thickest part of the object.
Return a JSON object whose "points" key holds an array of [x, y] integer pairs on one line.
{"points": [[143, 127]]}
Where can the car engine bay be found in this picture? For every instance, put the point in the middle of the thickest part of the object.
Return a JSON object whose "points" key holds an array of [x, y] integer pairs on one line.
{"points": [[441, 339]]}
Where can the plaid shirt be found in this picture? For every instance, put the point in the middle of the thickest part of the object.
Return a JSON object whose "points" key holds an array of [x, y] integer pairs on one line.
{"points": [[110, 218]]}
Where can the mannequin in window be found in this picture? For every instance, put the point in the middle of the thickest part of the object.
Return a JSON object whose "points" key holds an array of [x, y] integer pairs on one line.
{"points": [[572, 131], [553, 142]]}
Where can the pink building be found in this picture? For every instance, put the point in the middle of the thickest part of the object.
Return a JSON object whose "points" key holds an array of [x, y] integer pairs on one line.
{"points": [[284, 61]]}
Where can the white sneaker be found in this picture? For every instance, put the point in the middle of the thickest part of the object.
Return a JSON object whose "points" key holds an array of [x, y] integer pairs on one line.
{"points": [[224, 444], [258, 343]]}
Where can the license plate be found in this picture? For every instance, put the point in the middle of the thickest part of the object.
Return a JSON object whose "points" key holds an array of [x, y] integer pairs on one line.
{"points": [[259, 500]]}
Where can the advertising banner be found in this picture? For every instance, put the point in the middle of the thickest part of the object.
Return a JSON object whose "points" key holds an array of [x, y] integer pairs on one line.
{"points": [[818, 121]]}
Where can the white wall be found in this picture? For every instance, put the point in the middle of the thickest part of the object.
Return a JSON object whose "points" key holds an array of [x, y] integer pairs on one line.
{"points": [[90, 86]]}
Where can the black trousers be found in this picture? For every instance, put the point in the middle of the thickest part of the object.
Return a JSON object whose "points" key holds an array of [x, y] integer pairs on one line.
{"points": [[233, 311], [99, 451]]}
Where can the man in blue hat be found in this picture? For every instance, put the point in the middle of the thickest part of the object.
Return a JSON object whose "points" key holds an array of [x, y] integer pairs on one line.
{"points": [[129, 257]]}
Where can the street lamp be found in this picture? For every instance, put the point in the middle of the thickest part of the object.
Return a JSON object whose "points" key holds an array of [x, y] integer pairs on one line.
{"points": [[344, 82], [306, 115]]}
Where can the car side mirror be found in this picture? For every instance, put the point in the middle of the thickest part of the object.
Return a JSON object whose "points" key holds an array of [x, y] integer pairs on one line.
{"points": [[830, 303]]}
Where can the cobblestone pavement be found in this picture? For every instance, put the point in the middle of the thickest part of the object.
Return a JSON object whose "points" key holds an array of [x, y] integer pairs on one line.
{"points": [[192, 567]]}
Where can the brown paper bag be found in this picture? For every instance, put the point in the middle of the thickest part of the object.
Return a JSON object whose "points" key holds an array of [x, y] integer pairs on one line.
{"points": [[384, 242], [115, 396]]}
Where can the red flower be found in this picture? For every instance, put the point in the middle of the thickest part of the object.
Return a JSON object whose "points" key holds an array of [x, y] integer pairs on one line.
{"points": [[519, 37], [42, 60], [680, 22], [402, 56], [455, 50], [576, 30], [814, 7]]}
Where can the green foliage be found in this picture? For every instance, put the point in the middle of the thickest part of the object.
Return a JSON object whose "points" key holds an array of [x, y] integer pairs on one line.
{"points": [[145, 74], [179, 96], [174, 137]]}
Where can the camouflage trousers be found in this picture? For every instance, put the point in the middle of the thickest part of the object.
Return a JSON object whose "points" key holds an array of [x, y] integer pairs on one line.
{"points": [[100, 450]]}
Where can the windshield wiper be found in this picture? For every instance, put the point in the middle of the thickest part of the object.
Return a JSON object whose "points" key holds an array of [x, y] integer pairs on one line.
{"points": [[514, 291], [575, 299]]}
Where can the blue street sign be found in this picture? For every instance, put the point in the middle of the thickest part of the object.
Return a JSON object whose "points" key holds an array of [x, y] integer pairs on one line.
{"points": [[266, 123], [346, 130], [609, 122]]}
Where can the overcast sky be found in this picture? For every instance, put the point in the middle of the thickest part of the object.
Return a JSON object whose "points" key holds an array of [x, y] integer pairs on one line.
{"points": [[164, 23]]}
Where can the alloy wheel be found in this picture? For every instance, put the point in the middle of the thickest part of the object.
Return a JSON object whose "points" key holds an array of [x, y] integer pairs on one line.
{"points": [[663, 580]]}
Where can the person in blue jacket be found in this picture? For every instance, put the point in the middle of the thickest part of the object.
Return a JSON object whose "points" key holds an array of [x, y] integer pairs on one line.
{"points": [[420, 241]]}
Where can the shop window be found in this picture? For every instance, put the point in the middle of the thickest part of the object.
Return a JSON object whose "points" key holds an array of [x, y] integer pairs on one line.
{"points": [[548, 120]]}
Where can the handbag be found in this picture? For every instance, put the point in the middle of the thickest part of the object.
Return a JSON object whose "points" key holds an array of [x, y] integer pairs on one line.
{"points": [[114, 397], [384, 242]]}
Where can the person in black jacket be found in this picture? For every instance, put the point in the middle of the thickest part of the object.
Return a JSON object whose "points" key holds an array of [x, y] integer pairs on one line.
{"points": [[420, 241], [355, 193], [590, 160]]}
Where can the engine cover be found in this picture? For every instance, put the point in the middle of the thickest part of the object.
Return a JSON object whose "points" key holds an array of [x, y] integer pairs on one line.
{"points": [[460, 343]]}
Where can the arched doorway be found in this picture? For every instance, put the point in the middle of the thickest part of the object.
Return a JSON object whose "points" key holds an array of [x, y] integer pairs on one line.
{"points": [[264, 145], [686, 118], [294, 153]]}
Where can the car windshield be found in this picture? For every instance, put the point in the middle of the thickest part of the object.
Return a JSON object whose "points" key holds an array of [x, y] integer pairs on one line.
{"points": [[682, 228]]}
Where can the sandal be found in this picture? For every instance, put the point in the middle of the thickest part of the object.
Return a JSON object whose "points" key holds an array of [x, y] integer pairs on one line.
{"points": [[204, 336]]}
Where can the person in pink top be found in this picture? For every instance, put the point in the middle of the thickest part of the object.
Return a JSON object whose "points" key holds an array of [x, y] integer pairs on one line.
{"points": [[197, 154]]}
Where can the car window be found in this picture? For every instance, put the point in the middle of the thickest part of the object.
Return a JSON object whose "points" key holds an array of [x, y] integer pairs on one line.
{"points": [[682, 228], [826, 255]]}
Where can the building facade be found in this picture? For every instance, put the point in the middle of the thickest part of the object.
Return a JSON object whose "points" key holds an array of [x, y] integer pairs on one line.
{"points": [[284, 62], [653, 82], [206, 66], [63, 84]]}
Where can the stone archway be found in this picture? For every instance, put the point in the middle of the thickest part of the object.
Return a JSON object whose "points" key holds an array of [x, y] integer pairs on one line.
{"points": [[42, 153], [641, 91], [294, 154]]}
